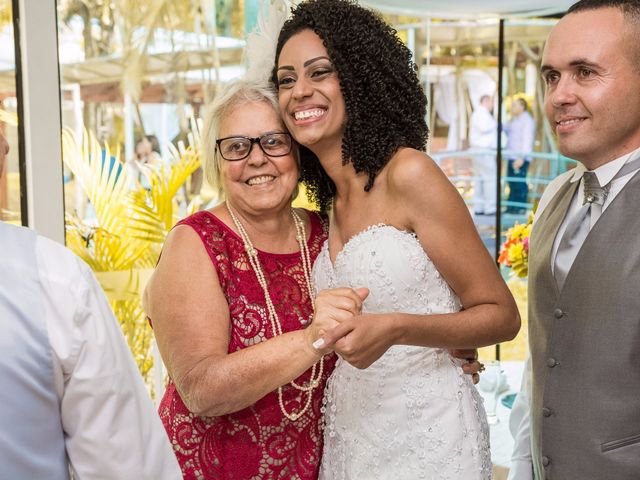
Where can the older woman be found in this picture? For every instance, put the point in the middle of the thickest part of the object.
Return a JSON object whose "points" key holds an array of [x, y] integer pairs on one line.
{"points": [[230, 300], [349, 93]]}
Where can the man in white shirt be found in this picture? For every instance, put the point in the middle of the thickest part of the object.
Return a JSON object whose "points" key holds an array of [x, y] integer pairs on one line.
{"points": [[578, 415], [521, 133], [72, 400], [483, 128]]}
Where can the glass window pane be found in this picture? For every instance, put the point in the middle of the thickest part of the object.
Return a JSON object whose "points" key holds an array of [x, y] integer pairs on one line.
{"points": [[460, 73], [133, 81], [10, 205], [529, 153]]}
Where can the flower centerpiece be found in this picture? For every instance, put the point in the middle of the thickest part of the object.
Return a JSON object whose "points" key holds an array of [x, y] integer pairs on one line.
{"points": [[515, 250]]}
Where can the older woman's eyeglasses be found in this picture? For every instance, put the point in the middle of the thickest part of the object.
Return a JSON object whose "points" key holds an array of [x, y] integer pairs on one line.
{"points": [[238, 148]]}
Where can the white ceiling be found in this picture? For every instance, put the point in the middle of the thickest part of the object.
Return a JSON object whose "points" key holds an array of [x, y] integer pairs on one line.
{"points": [[467, 9]]}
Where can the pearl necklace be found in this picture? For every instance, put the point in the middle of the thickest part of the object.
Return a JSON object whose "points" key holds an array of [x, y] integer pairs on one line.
{"points": [[276, 327]]}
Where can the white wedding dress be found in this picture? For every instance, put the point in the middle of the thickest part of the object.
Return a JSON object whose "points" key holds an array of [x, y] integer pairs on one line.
{"points": [[413, 414]]}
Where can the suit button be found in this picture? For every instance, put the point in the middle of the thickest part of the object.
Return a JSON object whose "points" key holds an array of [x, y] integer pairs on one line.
{"points": [[558, 313], [552, 362], [546, 412], [546, 461]]}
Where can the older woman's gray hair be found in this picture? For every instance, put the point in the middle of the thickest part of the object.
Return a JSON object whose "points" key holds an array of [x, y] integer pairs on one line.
{"points": [[230, 96]]}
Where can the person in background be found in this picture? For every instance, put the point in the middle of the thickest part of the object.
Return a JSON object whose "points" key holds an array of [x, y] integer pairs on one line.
{"points": [[578, 415], [148, 150], [521, 134], [483, 131], [72, 398], [146, 162]]}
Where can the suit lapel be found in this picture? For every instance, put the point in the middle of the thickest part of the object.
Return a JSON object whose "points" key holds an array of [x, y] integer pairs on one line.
{"points": [[546, 229], [602, 223]]}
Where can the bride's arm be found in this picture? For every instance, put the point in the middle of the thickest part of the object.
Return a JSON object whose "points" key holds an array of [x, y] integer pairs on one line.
{"points": [[432, 208], [192, 324]]}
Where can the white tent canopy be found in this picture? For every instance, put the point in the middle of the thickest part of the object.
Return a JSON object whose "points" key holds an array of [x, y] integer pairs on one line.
{"points": [[469, 9]]}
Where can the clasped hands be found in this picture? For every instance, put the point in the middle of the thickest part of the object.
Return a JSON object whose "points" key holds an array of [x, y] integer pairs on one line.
{"points": [[339, 325]]}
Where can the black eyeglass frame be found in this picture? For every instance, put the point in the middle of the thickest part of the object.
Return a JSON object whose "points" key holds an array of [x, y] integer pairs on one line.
{"points": [[254, 141]]}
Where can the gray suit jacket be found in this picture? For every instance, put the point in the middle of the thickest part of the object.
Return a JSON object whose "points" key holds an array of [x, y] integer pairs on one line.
{"points": [[585, 345]]}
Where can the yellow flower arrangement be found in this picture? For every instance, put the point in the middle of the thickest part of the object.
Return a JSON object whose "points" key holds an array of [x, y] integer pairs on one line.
{"points": [[515, 250]]}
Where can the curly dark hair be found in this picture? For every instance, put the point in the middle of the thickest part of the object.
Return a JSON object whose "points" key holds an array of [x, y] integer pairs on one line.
{"points": [[385, 104]]}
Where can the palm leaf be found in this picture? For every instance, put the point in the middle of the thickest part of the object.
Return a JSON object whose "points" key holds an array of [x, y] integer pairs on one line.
{"points": [[100, 175], [122, 245], [9, 118], [152, 219]]}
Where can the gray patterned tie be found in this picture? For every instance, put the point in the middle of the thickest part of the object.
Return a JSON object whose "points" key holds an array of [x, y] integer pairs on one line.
{"points": [[579, 226], [581, 223]]}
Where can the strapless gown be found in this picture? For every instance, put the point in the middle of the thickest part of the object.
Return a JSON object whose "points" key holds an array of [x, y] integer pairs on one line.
{"points": [[413, 414]]}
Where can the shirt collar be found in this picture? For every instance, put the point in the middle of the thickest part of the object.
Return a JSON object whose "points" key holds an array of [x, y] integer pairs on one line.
{"points": [[606, 172]]}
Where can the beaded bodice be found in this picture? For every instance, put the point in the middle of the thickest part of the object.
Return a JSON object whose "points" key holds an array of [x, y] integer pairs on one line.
{"points": [[393, 266], [413, 413], [257, 442]]}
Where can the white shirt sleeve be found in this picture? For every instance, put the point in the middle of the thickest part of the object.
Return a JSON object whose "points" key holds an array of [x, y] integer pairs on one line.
{"points": [[528, 138], [482, 129], [111, 428], [519, 425]]}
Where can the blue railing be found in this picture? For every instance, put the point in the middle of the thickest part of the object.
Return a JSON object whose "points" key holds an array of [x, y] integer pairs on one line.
{"points": [[539, 174]]}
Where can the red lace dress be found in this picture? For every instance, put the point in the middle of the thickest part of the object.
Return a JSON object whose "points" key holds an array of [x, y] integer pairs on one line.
{"points": [[258, 442]]}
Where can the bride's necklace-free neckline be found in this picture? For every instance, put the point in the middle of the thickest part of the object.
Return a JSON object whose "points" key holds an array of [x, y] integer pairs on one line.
{"points": [[276, 326]]}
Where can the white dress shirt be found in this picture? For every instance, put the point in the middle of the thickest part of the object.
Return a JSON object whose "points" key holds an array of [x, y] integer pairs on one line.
{"points": [[111, 428], [519, 421], [482, 128], [521, 135]]}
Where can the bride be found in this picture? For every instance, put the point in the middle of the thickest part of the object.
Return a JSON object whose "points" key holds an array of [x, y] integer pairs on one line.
{"points": [[397, 405]]}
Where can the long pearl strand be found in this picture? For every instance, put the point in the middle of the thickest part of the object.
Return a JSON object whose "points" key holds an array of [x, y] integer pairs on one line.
{"points": [[276, 327]]}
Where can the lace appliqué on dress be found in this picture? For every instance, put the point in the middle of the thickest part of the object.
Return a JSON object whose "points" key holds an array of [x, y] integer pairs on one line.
{"points": [[257, 442], [413, 413]]}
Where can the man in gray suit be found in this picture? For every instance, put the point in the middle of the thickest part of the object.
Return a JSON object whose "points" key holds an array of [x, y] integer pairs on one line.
{"points": [[583, 378]]}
